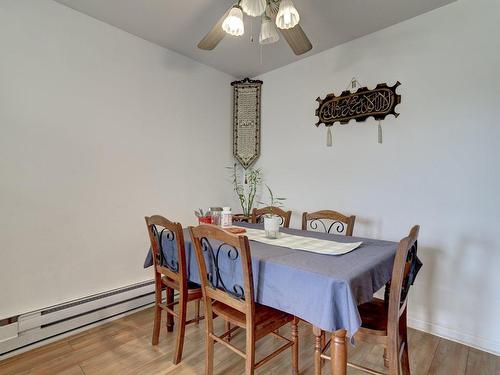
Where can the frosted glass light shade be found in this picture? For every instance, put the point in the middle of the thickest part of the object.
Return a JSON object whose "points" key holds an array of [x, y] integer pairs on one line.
{"points": [[233, 24], [287, 16], [253, 8], [268, 32]]}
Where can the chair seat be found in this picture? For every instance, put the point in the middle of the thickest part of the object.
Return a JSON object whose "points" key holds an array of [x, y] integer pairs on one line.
{"points": [[267, 319], [374, 315], [192, 285], [194, 290]]}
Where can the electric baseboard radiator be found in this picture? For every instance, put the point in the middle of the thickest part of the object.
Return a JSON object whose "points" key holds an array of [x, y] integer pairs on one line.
{"points": [[27, 329]]}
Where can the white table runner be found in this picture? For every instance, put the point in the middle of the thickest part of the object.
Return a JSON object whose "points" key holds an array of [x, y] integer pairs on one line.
{"points": [[314, 245]]}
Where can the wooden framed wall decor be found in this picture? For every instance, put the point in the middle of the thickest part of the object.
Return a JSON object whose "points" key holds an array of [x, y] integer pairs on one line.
{"points": [[359, 106], [246, 121]]}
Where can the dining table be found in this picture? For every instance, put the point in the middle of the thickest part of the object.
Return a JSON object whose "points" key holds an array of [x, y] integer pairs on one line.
{"points": [[321, 289]]}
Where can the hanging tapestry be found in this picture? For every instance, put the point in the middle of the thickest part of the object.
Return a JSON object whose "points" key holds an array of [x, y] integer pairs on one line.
{"points": [[246, 121], [359, 105]]}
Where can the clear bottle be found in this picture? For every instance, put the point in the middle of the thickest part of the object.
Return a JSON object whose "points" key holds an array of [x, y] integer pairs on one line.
{"points": [[226, 217]]}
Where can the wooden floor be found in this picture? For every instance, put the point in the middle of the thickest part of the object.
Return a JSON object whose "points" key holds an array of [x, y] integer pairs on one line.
{"points": [[124, 347]]}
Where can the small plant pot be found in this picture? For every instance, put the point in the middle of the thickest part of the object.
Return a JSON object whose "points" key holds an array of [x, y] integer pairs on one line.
{"points": [[205, 220], [272, 226]]}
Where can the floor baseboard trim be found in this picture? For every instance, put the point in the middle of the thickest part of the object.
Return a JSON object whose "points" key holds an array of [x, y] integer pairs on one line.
{"points": [[72, 332], [476, 342]]}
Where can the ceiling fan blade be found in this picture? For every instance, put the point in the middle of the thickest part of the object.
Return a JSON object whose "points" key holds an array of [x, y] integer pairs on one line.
{"points": [[297, 40], [295, 37], [214, 36]]}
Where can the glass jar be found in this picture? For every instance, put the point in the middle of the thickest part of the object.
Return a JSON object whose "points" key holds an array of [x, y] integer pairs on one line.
{"points": [[216, 213]]}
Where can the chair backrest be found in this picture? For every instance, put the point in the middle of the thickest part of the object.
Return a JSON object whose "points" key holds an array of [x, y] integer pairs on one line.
{"points": [[401, 282], [330, 221], [259, 213], [167, 245], [215, 248]]}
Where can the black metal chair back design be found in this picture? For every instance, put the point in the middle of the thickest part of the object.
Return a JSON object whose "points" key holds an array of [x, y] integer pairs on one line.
{"points": [[214, 273], [171, 259], [328, 221]]}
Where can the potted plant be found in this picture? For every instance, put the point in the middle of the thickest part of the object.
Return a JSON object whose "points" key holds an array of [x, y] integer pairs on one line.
{"points": [[246, 191], [272, 221]]}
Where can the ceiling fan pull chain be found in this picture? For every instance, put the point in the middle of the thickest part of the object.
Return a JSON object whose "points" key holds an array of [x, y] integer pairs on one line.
{"points": [[251, 30], [329, 136], [379, 132]]}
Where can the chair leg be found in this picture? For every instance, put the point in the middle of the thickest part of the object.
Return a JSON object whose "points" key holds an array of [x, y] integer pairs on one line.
{"points": [[228, 327], [197, 312], [179, 343], [393, 358], [209, 355], [156, 326], [170, 318], [317, 350], [295, 347], [386, 359], [405, 360], [250, 351], [157, 319]]}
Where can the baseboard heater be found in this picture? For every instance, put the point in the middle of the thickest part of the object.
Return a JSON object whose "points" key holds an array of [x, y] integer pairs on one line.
{"points": [[27, 329]]}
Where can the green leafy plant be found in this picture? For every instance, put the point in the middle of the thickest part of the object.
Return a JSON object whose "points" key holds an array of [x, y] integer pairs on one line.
{"points": [[247, 190], [274, 202]]}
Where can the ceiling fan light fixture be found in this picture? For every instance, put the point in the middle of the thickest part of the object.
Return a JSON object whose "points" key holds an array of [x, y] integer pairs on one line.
{"points": [[268, 32], [254, 8], [233, 24], [287, 16]]}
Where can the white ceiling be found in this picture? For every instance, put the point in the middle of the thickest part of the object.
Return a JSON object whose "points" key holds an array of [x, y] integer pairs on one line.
{"points": [[180, 24]]}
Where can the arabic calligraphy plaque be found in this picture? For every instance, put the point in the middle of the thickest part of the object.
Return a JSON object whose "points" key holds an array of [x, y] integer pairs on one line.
{"points": [[364, 103]]}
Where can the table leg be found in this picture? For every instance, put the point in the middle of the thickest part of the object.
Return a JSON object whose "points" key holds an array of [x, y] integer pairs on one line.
{"points": [[317, 350], [338, 349]]}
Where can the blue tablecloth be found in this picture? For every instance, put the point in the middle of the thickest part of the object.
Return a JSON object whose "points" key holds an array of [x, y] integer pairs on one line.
{"points": [[321, 289]]}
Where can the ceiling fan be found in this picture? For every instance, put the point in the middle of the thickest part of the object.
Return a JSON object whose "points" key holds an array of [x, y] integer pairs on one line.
{"points": [[274, 13]]}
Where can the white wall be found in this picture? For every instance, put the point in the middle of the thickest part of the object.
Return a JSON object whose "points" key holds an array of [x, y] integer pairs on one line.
{"points": [[97, 129], [438, 165]]}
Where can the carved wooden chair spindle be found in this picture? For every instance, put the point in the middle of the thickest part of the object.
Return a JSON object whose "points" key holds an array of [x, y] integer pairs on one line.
{"points": [[235, 303], [171, 275], [335, 221], [384, 321], [259, 213]]}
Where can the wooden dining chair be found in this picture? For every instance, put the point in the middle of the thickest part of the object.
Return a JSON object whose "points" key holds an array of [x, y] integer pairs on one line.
{"points": [[328, 220], [259, 213], [384, 322], [171, 275], [233, 302]]}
